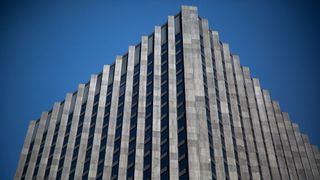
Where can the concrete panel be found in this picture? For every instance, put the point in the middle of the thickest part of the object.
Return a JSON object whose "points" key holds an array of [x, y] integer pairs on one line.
{"points": [[156, 118], [61, 134], [275, 174], [253, 163], [200, 104], [209, 42], [173, 127], [36, 146], [99, 123], [191, 51], [86, 128], [123, 160], [225, 121], [293, 146], [24, 151], [112, 121], [138, 168], [275, 135], [235, 119], [255, 120], [311, 157], [214, 99], [302, 151], [73, 133], [285, 141], [316, 155], [48, 141]]}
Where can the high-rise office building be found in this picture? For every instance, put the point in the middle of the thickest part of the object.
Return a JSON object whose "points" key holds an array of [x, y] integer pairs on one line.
{"points": [[177, 106]]}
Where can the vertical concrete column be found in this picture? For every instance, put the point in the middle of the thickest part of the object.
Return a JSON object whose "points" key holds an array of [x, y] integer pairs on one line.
{"points": [[310, 156], [86, 128], [99, 123], [263, 161], [216, 138], [275, 135], [285, 141], [48, 141], [316, 155], [245, 115], [275, 174], [231, 162], [73, 133], [25, 149], [61, 133], [123, 162], [302, 151], [156, 118], [193, 93], [138, 168], [293, 146], [213, 98], [113, 120], [173, 127], [205, 157], [236, 121], [36, 146]]}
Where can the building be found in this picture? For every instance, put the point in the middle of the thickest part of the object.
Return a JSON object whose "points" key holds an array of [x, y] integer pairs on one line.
{"points": [[177, 106]]}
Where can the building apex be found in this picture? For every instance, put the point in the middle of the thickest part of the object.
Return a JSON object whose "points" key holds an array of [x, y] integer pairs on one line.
{"points": [[185, 7]]}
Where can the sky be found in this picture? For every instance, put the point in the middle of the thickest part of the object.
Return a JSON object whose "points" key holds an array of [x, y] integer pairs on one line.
{"points": [[48, 48]]}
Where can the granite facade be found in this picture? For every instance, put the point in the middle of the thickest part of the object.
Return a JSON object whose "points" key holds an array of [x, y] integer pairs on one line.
{"points": [[178, 105]]}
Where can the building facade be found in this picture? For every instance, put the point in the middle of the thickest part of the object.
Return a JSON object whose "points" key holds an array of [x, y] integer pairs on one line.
{"points": [[177, 106]]}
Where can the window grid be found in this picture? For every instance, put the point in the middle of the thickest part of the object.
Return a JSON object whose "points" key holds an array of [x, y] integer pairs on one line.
{"points": [[164, 148]]}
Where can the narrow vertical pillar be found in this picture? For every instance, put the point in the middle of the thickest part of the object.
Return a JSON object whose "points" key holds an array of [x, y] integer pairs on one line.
{"points": [[156, 109], [194, 95], [316, 155], [36, 146], [231, 170], [99, 123], [285, 142], [24, 151], [214, 99], [73, 133], [113, 119], [235, 119], [311, 157], [275, 174], [86, 127], [138, 168], [48, 141], [293, 146], [253, 163], [123, 162], [275, 135], [302, 151], [173, 129], [263, 161], [61, 133]]}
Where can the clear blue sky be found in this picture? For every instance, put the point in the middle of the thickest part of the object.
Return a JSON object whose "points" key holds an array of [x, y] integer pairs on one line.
{"points": [[48, 48]]}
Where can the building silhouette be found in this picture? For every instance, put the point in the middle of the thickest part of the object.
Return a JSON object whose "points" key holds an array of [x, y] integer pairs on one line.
{"points": [[177, 106]]}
